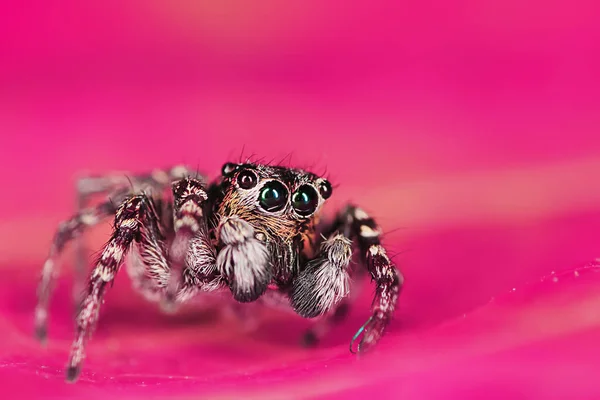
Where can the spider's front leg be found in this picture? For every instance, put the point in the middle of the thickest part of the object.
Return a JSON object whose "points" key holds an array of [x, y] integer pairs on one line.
{"points": [[322, 284]]}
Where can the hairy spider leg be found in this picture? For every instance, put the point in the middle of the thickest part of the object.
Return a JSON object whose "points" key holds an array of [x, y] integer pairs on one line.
{"points": [[136, 222], [67, 231], [115, 186], [147, 264], [105, 184], [133, 215], [388, 279], [192, 256]]}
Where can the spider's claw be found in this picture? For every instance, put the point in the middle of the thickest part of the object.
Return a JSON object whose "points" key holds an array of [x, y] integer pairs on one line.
{"points": [[370, 333], [72, 373]]}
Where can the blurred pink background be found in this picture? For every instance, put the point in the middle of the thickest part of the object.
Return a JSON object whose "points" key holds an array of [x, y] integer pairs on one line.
{"points": [[468, 128]]}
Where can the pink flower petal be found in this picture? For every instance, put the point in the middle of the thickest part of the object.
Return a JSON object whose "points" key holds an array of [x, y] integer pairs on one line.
{"points": [[535, 341]]}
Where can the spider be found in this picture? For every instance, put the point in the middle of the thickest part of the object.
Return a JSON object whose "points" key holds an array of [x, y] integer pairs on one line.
{"points": [[254, 232]]}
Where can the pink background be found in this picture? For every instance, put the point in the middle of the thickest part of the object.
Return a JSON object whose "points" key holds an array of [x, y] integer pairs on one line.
{"points": [[468, 128]]}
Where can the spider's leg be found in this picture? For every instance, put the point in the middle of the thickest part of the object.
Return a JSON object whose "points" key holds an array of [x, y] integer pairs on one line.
{"points": [[115, 185], [134, 218], [147, 269], [388, 279], [67, 230], [354, 223], [147, 264], [109, 183], [192, 256], [80, 257]]}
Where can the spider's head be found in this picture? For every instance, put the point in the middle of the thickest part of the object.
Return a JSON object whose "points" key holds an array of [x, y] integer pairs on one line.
{"points": [[275, 200]]}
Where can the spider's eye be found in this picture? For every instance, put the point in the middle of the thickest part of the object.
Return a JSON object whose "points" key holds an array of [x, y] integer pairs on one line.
{"points": [[273, 196], [305, 200], [325, 189], [228, 169], [247, 179]]}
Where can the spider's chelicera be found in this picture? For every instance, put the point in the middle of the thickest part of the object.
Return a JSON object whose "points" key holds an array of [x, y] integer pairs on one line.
{"points": [[254, 231]]}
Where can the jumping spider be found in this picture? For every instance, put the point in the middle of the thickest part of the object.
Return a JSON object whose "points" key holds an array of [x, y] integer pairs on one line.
{"points": [[253, 230]]}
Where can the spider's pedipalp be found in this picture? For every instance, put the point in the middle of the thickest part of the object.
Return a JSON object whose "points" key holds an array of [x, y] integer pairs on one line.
{"points": [[325, 280], [244, 260]]}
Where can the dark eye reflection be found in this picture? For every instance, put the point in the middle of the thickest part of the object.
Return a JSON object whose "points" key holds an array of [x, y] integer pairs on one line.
{"points": [[247, 179], [305, 200], [273, 196], [325, 189]]}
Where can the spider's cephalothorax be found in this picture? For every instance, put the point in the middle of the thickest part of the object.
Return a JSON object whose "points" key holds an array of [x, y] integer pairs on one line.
{"points": [[253, 231], [275, 208]]}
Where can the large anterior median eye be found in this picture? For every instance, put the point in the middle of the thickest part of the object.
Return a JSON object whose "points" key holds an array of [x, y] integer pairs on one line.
{"points": [[273, 196], [305, 200]]}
